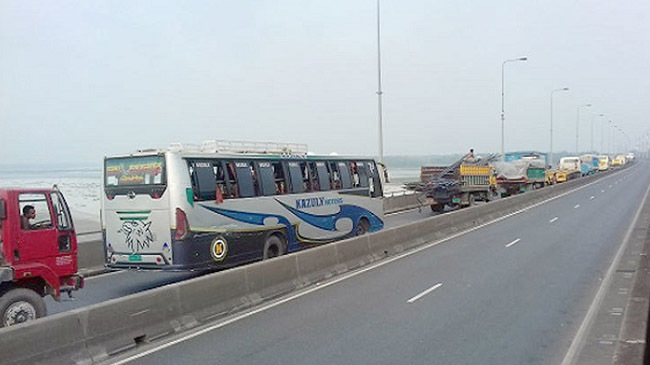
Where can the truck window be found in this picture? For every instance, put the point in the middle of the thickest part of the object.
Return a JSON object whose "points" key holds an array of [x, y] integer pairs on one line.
{"points": [[63, 220], [38, 202]]}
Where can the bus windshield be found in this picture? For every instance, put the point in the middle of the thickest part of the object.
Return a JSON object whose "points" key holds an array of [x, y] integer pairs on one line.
{"points": [[130, 171]]}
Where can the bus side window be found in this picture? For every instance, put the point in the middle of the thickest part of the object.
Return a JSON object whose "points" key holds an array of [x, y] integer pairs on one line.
{"points": [[323, 176], [204, 180], [354, 174], [313, 177], [220, 173], [346, 178], [245, 179], [306, 177], [266, 178], [279, 178], [374, 180], [296, 177], [336, 177], [231, 183], [362, 174]]}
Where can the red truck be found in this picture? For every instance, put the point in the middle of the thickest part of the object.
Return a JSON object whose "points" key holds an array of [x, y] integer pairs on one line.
{"points": [[37, 258]]}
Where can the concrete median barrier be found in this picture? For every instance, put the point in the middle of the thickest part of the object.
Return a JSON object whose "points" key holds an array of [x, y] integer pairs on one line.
{"points": [[90, 254], [122, 324], [316, 264], [212, 296], [271, 278], [57, 339]]}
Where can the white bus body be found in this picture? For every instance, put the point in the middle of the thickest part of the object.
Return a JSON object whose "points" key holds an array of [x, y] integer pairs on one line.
{"points": [[176, 210]]}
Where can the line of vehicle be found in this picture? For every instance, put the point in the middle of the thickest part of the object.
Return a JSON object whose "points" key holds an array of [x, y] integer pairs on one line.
{"points": [[424, 293], [208, 328], [578, 340]]}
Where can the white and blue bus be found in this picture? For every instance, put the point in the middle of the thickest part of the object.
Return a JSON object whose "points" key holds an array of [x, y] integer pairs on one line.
{"points": [[211, 207]]}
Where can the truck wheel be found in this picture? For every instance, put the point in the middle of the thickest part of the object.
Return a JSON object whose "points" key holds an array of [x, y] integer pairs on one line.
{"points": [[21, 305], [273, 247]]}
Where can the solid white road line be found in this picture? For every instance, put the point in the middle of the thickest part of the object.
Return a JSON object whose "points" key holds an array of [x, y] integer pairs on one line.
{"points": [[576, 206], [424, 293], [553, 220], [513, 242], [579, 339], [272, 304]]}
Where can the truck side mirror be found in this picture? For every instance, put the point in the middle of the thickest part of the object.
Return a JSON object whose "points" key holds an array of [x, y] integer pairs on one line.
{"points": [[3, 210]]}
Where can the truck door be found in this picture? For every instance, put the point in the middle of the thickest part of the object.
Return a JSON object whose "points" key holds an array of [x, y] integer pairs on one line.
{"points": [[35, 243], [66, 239]]}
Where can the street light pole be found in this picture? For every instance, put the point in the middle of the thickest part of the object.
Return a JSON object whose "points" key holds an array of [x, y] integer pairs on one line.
{"points": [[379, 91], [578, 125], [503, 65], [592, 130], [609, 137], [551, 147]]}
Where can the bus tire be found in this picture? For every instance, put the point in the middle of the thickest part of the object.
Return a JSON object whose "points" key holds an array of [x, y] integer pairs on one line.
{"points": [[437, 207], [273, 247], [362, 227], [21, 305]]}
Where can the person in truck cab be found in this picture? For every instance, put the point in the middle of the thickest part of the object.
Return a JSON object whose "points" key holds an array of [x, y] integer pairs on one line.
{"points": [[28, 213]]}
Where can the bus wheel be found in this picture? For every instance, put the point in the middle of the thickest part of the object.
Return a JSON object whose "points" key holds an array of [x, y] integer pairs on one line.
{"points": [[273, 247], [362, 227], [21, 305], [437, 207]]}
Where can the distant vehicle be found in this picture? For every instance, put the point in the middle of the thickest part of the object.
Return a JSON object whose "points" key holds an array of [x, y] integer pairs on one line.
{"points": [[569, 168], [589, 164], [36, 259], [228, 203], [619, 160], [569, 163], [603, 162]]}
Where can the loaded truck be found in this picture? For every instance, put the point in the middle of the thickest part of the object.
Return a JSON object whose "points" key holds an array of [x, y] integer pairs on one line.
{"points": [[458, 185], [38, 253]]}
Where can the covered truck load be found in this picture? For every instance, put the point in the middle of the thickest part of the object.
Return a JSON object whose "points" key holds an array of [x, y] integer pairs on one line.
{"points": [[519, 176]]}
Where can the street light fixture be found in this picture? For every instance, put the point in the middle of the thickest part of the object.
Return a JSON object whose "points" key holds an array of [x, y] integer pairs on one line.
{"points": [[578, 125], [551, 149], [503, 65]]}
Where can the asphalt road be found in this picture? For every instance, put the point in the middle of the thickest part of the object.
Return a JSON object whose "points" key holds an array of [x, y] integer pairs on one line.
{"points": [[511, 292], [119, 284]]}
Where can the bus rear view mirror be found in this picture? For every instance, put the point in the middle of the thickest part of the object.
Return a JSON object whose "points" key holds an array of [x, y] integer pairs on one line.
{"points": [[3, 210]]}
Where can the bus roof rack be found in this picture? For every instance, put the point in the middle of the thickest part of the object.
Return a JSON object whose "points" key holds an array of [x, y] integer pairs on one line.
{"points": [[221, 146]]}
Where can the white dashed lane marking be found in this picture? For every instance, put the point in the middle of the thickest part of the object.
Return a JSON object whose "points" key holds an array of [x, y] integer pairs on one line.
{"points": [[424, 293], [553, 220], [513, 242]]}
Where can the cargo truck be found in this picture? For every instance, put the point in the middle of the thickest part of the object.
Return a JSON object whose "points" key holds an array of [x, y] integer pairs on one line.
{"points": [[37, 258]]}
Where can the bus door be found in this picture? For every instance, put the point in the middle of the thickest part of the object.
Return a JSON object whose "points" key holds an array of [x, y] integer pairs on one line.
{"points": [[137, 215]]}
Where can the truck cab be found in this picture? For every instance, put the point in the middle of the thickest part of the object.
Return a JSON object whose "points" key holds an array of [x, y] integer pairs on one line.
{"points": [[38, 252]]}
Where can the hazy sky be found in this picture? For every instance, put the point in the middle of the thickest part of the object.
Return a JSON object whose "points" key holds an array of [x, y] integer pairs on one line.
{"points": [[84, 79]]}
